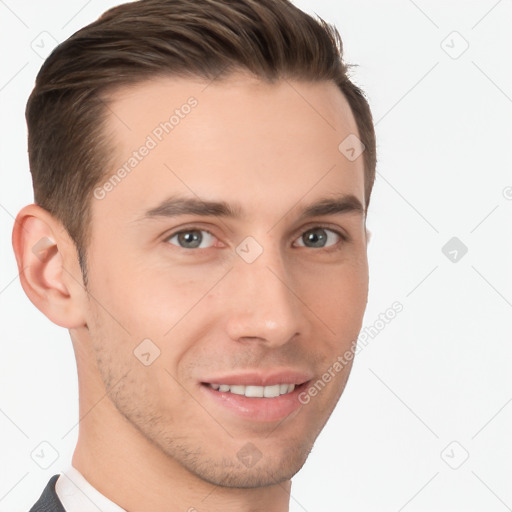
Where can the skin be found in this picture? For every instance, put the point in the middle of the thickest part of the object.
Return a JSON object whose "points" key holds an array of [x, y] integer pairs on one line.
{"points": [[149, 439]]}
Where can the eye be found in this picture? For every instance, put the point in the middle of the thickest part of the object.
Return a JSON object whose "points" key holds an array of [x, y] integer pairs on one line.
{"points": [[319, 237], [192, 239]]}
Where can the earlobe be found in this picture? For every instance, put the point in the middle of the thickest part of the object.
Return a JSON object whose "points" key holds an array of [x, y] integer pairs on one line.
{"points": [[47, 261]]}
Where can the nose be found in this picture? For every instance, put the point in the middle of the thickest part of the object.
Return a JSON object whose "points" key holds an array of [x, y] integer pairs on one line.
{"points": [[262, 303]]}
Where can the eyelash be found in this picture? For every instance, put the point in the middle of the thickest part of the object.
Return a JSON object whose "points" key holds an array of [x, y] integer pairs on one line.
{"points": [[337, 246]]}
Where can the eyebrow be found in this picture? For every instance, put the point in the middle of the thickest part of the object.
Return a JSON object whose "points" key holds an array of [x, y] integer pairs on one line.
{"points": [[176, 206]]}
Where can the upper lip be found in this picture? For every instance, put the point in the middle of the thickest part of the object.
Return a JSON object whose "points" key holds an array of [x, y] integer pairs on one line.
{"points": [[260, 378]]}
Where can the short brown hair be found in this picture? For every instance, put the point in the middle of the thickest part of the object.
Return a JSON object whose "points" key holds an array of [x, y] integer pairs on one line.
{"points": [[68, 151]]}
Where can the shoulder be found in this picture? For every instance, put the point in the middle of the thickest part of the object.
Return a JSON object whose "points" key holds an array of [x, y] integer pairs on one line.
{"points": [[48, 501]]}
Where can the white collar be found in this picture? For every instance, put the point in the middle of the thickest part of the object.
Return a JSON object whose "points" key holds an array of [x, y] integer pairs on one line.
{"points": [[78, 495]]}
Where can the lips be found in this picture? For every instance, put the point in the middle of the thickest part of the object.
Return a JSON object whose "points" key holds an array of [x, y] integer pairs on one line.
{"points": [[259, 378], [256, 396]]}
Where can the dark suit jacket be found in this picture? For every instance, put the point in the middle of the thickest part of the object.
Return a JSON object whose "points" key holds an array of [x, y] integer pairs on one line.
{"points": [[49, 501]]}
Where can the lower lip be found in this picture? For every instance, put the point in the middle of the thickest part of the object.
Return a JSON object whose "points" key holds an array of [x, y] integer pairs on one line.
{"points": [[257, 409]]}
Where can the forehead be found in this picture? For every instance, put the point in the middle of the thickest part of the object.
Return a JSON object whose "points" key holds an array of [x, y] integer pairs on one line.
{"points": [[258, 143]]}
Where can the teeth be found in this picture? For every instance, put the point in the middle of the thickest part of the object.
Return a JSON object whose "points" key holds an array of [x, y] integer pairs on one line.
{"points": [[237, 390], [271, 391], [255, 391], [251, 391]]}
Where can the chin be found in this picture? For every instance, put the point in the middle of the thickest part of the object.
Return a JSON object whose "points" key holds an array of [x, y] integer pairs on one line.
{"points": [[263, 471]]}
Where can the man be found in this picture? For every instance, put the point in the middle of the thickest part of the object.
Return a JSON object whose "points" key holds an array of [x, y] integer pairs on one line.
{"points": [[202, 172]]}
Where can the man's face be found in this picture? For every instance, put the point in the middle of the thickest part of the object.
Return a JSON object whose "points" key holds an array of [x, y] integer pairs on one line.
{"points": [[264, 297]]}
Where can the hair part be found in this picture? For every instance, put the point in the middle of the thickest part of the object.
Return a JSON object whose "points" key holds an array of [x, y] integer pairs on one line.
{"points": [[69, 152]]}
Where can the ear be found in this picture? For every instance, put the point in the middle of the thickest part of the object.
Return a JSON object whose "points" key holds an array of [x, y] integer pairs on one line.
{"points": [[48, 267]]}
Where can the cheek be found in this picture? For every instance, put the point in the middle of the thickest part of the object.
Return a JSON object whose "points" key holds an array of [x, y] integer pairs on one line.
{"points": [[159, 290], [141, 304], [148, 313], [338, 296]]}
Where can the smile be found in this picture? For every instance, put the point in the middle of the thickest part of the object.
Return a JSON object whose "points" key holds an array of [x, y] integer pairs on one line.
{"points": [[255, 391]]}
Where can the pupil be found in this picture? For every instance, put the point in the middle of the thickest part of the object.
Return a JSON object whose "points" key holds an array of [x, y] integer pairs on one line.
{"points": [[316, 237], [190, 239]]}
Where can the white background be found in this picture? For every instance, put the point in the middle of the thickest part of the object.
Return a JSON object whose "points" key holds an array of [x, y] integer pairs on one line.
{"points": [[431, 388]]}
